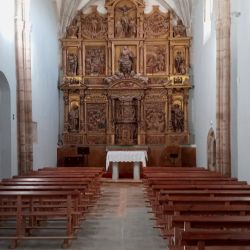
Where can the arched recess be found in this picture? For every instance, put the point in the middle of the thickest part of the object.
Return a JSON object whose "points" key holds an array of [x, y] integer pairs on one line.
{"points": [[211, 150], [5, 128]]}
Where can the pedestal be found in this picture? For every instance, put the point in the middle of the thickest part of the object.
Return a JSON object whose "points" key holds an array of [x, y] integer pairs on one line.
{"points": [[136, 170], [115, 171]]}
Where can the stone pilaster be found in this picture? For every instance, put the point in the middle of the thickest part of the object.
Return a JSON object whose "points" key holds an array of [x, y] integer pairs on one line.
{"points": [[24, 91], [223, 145]]}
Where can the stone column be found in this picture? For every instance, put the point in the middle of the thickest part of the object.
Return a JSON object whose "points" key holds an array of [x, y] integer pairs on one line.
{"points": [[24, 94], [223, 149]]}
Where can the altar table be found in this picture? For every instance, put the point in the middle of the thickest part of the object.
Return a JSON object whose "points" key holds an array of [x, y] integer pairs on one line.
{"points": [[135, 156]]}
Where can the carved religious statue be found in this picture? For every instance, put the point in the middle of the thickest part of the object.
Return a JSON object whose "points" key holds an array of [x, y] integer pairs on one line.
{"points": [[126, 61], [177, 118], [179, 29], [72, 64], [74, 118], [180, 64]]}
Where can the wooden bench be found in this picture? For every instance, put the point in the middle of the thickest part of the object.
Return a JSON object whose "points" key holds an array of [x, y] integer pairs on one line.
{"points": [[26, 207], [46, 195], [203, 238]]}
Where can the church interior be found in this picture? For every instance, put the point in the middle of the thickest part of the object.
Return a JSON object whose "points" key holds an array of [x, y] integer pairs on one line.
{"points": [[124, 124]]}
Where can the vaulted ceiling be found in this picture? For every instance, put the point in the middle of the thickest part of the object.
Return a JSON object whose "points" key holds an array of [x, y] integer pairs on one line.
{"points": [[66, 9]]}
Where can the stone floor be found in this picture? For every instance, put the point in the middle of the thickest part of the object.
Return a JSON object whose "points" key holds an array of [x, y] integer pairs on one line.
{"points": [[118, 221]]}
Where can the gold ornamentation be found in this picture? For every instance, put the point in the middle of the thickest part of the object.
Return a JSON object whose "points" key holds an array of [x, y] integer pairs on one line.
{"points": [[125, 77]]}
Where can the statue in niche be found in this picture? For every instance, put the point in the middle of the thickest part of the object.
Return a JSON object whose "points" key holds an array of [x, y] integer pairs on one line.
{"points": [[177, 118], [126, 61], [125, 26], [95, 61], [180, 64], [179, 29], [72, 64], [74, 118]]}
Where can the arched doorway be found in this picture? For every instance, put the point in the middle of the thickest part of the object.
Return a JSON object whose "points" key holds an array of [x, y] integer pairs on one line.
{"points": [[211, 150], [5, 128]]}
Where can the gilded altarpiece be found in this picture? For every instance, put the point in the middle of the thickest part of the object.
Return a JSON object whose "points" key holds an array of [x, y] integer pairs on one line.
{"points": [[125, 77]]}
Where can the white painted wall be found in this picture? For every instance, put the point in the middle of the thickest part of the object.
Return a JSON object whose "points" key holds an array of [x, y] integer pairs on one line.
{"points": [[203, 63], [5, 128], [241, 84], [8, 69], [44, 71]]}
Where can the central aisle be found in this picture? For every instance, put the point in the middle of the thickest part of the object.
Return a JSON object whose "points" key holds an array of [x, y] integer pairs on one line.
{"points": [[119, 221]]}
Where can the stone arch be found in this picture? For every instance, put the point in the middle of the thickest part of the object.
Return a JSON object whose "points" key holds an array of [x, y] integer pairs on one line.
{"points": [[5, 128], [211, 150]]}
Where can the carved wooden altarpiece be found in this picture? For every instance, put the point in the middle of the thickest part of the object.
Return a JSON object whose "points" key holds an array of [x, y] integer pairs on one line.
{"points": [[125, 77]]}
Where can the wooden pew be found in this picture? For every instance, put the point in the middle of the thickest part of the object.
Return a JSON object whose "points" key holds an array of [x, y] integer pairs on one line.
{"points": [[203, 238], [46, 195], [201, 198], [25, 207]]}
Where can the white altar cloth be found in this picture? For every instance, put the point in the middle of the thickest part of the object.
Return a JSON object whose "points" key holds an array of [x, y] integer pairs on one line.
{"points": [[127, 156]]}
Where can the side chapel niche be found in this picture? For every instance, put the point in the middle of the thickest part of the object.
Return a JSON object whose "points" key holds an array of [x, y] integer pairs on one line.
{"points": [[126, 77]]}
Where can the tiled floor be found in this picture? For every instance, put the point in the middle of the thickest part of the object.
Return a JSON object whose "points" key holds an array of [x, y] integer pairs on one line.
{"points": [[118, 221]]}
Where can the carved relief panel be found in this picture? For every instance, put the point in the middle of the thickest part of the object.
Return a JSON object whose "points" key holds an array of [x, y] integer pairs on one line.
{"points": [[156, 59], [125, 20], [95, 60], [155, 117], [94, 25], [96, 117]]}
